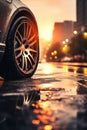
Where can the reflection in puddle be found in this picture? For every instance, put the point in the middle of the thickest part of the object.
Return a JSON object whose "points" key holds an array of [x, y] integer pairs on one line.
{"points": [[17, 99], [45, 114], [16, 112]]}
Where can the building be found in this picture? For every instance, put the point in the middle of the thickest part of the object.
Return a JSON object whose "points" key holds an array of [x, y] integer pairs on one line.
{"points": [[81, 13], [62, 31]]}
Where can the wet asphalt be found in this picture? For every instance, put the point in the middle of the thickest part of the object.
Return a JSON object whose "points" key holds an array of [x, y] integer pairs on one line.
{"points": [[55, 98]]}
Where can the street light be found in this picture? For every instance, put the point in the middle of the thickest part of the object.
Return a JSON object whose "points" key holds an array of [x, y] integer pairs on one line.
{"points": [[85, 35], [67, 40], [75, 32], [66, 49], [63, 42]]}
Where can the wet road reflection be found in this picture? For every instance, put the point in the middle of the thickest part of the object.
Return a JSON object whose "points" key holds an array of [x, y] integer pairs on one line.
{"points": [[54, 99], [17, 100]]}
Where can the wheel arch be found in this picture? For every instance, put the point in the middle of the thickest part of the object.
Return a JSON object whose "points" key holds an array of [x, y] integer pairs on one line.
{"points": [[20, 13]]}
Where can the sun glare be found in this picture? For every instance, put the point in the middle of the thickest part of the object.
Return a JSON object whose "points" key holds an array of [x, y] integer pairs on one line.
{"points": [[46, 33], [47, 36]]}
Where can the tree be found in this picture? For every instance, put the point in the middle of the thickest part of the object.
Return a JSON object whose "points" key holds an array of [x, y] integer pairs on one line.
{"points": [[78, 45]]}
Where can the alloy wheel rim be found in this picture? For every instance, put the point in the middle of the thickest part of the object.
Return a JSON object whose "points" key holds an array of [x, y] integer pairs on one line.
{"points": [[26, 47]]}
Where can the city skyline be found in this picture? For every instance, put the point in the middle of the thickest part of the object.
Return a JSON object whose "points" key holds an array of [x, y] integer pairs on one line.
{"points": [[48, 12]]}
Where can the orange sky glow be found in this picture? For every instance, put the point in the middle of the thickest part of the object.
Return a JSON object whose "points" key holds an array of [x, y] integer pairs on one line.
{"points": [[49, 11]]}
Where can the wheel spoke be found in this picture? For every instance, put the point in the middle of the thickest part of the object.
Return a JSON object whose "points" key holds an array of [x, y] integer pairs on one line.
{"points": [[29, 32], [32, 43], [29, 61], [32, 50], [20, 36], [31, 38], [23, 60], [18, 49], [29, 54], [26, 64], [19, 55], [19, 41]]}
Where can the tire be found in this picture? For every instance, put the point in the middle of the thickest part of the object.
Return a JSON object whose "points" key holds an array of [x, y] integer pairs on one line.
{"points": [[22, 49]]}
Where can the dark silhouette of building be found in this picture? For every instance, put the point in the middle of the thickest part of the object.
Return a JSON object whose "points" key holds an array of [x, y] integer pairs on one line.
{"points": [[81, 13], [62, 31]]}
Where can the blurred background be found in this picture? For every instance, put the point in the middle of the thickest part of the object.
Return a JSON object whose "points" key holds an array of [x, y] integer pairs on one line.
{"points": [[62, 28]]}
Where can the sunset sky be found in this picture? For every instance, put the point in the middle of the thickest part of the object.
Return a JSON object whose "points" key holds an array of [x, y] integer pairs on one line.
{"points": [[49, 11]]}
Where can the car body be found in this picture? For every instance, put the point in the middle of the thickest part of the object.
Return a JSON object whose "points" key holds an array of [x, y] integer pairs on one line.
{"points": [[19, 40]]}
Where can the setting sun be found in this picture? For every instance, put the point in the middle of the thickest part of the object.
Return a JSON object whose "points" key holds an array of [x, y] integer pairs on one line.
{"points": [[46, 34]]}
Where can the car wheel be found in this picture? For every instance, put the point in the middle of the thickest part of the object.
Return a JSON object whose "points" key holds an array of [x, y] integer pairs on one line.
{"points": [[22, 49]]}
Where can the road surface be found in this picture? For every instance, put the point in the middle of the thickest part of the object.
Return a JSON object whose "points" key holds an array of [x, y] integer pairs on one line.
{"points": [[55, 98]]}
